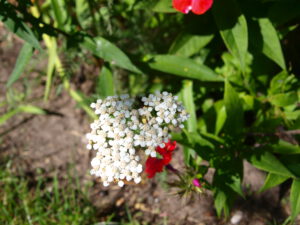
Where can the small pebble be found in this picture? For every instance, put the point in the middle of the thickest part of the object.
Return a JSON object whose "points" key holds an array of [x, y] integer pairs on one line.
{"points": [[237, 217]]}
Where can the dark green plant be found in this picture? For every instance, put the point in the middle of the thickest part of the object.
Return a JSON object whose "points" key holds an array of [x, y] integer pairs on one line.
{"points": [[235, 68]]}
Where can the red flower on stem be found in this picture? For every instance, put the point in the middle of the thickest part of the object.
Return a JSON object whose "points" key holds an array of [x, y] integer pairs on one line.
{"points": [[196, 6], [155, 165]]}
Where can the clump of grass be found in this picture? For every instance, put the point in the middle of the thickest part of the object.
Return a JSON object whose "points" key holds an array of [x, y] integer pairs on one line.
{"points": [[41, 201], [37, 199]]}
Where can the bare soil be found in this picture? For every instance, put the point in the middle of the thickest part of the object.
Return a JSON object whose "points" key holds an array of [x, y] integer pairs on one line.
{"points": [[52, 142]]}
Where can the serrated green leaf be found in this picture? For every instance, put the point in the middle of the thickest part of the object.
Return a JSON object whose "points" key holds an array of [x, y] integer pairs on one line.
{"points": [[236, 185], [295, 199], [234, 110], [271, 44], [268, 162], [22, 60], [105, 84], [233, 28], [188, 44], [109, 52], [183, 67]]}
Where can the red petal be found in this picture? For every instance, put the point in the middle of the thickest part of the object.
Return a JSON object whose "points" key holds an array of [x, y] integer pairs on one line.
{"points": [[153, 166], [171, 145], [183, 6], [167, 157], [201, 6]]}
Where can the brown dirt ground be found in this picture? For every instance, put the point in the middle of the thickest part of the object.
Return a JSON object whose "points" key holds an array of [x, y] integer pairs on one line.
{"points": [[51, 142]]}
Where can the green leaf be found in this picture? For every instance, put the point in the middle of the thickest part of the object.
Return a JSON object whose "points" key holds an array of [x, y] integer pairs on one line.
{"points": [[284, 147], [284, 99], [8, 115], [188, 102], [278, 83], [188, 44], [272, 180], [164, 6], [187, 154], [52, 56], [295, 199], [221, 119], [221, 203], [81, 8], [109, 52], [236, 185], [22, 61], [18, 27], [105, 84], [195, 138], [271, 44], [59, 12], [233, 28], [268, 162], [80, 99], [31, 109], [21, 109], [234, 110], [292, 163], [183, 67], [284, 11]]}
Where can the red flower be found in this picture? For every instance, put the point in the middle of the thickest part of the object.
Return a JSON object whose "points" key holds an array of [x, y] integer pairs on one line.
{"points": [[197, 6], [155, 165]]}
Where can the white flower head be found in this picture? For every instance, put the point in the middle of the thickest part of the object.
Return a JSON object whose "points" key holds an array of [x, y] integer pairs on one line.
{"points": [[127, 127]]}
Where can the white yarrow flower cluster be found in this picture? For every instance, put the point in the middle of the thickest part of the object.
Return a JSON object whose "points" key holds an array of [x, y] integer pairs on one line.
{"points": [[127, 126]]}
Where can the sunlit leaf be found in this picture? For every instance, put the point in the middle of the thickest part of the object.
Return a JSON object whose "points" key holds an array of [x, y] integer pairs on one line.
{"points": [[295, 199], [109, 52], [271, 44], [105, 84], [183, 67], [188, 102], [273, 180], [268, 162], [188, 44], [21, 109], [233, 28]]}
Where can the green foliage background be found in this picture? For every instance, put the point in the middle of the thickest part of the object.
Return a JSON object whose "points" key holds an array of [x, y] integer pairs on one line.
{"points": [[235, 68]]}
